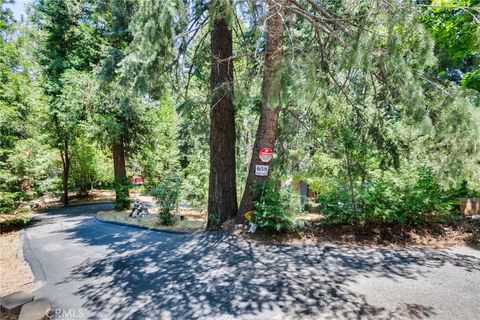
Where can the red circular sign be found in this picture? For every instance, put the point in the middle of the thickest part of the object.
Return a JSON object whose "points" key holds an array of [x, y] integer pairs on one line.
{"points": [[266, 154]]}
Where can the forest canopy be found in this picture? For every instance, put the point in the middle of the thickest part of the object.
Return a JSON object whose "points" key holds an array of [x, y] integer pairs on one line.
{"points": [[374, 105]]}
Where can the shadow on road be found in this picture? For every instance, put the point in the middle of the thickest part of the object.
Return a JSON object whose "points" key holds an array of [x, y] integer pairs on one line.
{"points": [[216, 275]]}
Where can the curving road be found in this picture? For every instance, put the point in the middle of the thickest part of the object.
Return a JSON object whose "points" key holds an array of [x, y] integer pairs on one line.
{"points": [[94, 270]]}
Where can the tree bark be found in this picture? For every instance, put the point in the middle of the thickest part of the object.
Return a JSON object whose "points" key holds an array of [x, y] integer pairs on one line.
{"points": [[222, 194], [66, 170], [271, 90], [120, 173]]}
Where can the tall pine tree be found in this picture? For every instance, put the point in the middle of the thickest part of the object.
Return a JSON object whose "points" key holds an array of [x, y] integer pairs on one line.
{"points": [[222, 192]]}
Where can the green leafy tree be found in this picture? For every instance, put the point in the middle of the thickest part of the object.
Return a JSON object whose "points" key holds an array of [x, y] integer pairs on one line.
{"points": [[26, 161], [119, 113], [68, 42], [455, 27], [180, 37], [376, 108]]}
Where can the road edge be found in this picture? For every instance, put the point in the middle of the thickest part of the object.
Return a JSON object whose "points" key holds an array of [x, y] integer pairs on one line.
{"points": [[95, 216], [38, 271], [46, 209]]}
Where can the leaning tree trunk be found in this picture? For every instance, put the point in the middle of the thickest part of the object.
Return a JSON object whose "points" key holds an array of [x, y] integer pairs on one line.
{"points": [[120, 173], [222, 195], [271, 90]]}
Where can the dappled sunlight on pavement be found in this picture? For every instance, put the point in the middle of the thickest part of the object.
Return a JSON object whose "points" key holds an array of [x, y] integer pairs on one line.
{"points": [[124, 273]]}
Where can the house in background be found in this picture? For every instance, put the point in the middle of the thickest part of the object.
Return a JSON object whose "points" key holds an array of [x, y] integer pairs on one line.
{"points": [[136, 180]]}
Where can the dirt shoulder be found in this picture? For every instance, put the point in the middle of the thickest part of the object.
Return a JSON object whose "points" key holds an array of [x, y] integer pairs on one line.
{"points": [[96, 195], [452, 233], [15, 273]]}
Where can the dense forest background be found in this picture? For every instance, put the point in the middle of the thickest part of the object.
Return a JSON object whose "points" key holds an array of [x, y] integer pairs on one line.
{"points": [[374, 104]]}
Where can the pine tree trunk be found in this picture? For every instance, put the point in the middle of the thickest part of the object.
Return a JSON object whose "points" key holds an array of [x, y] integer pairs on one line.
{"points": [[120, 173], [66, 170], [271, 90], [222, 195]]}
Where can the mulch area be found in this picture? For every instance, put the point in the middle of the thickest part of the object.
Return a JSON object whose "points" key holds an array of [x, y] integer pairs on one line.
{"points": [[189, 220], [452, 232]]}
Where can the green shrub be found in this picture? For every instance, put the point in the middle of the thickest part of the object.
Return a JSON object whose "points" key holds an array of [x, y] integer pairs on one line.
{"points": [[274, 207], [420, 202], [15, 222], [337, 205], [214, 219], [166, 194], [381, 202], [8, 202], [426, 201], [395, 199], [195, 187]]}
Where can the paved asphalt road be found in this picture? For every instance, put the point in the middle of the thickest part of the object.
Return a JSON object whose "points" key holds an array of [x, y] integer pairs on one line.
{"points": [[95, 270]]}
